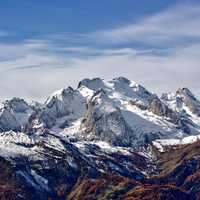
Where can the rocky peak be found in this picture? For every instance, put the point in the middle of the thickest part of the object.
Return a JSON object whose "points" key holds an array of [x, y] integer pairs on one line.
{"points": [[123, 80], [186, 96], [94, 84], [100, 104], [185, 93], [118, 86], [161, 109], [14, 114], [169, 96], [104, 121], [63, 103], [17, 105], [59, 95], [59, 103], [8, 121], [100, 97]]}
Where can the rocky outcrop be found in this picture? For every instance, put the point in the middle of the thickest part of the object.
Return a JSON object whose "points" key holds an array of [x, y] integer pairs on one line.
{"points": [[104, 121], [186, 97], [63, 103], [159, 108], [14, 115]]}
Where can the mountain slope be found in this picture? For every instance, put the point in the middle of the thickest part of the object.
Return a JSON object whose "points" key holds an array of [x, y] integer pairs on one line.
{"points": [[107, 139]]}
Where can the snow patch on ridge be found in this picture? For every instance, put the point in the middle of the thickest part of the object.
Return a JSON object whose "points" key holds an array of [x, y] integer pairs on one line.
{"points": [[161, 144]]}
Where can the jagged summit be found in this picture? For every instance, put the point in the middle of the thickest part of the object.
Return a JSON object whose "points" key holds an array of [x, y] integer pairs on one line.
{"points": [[112, 128], [183, 100], [185, 92], [189, 100], [107, 110], [14, 114]]}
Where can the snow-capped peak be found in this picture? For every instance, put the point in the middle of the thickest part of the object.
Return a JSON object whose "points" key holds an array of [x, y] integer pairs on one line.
{"points": [[59, 95], [109, 110], [14, 114], [185, 102]]}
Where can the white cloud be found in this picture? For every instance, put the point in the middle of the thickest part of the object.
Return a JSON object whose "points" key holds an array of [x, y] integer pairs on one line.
{"points": [[171, 25], [158, 73], [35, 68]]}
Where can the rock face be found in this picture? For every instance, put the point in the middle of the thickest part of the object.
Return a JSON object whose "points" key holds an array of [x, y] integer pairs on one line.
{"points": [[187, 98], [104, 121], [8, 120], [14, 115], [181, 100], [159, 108], [62, 103]]}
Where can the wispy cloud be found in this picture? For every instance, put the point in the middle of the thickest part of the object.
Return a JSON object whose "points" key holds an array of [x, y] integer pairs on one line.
{"points": [[161, 51], [177, 25], [3, 33]]}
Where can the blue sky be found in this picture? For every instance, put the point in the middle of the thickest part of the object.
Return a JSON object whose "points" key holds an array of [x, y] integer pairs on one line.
{"points": [[46, 45], [35, 17]]}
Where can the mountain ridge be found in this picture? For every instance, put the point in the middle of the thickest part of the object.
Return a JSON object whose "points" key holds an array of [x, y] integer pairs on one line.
{"points": [[79, 137], [178, 114]]}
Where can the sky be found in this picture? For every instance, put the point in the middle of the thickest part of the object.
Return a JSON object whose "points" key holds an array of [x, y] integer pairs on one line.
{"points": [[47, 45]]}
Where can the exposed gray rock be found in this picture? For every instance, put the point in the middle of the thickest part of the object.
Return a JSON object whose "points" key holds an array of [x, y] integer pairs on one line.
{"points": [[186, 96], [14, 114], [63, 103], [104, 121], [18, 105], [8, 121], [161, 109]]}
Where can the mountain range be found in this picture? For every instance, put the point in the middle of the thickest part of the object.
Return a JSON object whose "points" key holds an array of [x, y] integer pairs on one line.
{"points": [[104, 140]]}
